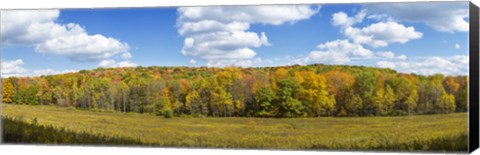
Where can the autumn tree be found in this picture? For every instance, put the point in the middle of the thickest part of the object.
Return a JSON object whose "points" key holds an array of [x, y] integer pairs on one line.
{"points": [[287, 91], [340, 84], [7, 91], [315, 94]]}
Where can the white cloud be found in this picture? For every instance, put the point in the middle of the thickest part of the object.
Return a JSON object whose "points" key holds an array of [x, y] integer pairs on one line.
{"points": [[271, 14], [107, 63], [222, 45], [39, 28], [21, 27], [220, 36], [342, 19], [376, 35], [193, 61], [402, 57], [230, 62], [382, 33], [126, 55], [126, 64], [335, 52], [50, 72], [15, 68], [233, 62], [387, 54], [110, 63], [380, 17], [82, 47], [208, 26], [457, 46], [343, 52], [386, 64], [12, 68], [456, 65], [344, 46], [442, 16]]}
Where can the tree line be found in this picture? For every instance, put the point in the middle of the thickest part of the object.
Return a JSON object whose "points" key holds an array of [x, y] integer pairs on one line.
{"points": [[286, 91]]}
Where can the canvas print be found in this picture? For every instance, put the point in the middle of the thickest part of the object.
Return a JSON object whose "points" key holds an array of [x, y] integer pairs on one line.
{"points": [[362, 77]]}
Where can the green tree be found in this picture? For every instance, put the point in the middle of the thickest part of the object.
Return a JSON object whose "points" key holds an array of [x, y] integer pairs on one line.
{"points": [[286, 104], [364, 87], [264, 98]]}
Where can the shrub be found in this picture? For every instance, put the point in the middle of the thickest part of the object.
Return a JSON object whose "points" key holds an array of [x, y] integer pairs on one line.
{"points": [[167, 113]]}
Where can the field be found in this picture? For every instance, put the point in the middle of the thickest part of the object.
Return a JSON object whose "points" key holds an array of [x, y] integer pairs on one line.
{"points": [[435, 133]]}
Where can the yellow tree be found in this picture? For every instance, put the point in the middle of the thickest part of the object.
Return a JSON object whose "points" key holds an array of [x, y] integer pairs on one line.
{"points": [[279, 74], [340, 85], [230, 80], [316, 95], [447, 103], [7, 91], [193, 102]]}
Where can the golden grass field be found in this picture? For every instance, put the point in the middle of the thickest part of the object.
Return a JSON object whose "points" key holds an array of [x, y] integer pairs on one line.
{"points": [[422, 132]]}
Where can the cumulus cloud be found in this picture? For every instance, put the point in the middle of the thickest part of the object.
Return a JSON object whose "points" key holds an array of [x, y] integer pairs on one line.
{"points": [[390, 55], [335, 52], [272, 14], [126, 55], [456, 65], [342, 19], [50, 72], [220, 36], [402, 57], [382, 33], [457, 46], [442, 16], [222, 45], [387, 54], [110, 63], [236, 62], [376, 35], [386, 64], [13, 68], [344, 52], [22, 27], [39, 28]]}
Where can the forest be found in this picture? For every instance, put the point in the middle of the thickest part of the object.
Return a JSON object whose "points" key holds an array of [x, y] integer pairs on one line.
{"points": [[315, 90]]}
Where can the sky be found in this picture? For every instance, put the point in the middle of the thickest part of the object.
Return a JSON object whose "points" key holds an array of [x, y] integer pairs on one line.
{"points": [[421, 38]]}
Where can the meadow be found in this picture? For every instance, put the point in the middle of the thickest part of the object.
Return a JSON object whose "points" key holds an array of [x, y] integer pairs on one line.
{"points": [[433, 133]]}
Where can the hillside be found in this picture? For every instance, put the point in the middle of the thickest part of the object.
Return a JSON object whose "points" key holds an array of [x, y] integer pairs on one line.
{"points": [[287, 91]]}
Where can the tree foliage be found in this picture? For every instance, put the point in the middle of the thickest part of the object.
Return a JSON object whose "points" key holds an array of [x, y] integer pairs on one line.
{"points": [[287, 91], [7, 91]]}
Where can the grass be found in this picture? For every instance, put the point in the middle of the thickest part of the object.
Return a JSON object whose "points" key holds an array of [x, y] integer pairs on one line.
{"points": [[18, 131], [433, 133]]}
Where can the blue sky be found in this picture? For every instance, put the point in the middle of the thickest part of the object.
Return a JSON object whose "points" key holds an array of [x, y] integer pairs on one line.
{"points": [[422, 38]]}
